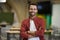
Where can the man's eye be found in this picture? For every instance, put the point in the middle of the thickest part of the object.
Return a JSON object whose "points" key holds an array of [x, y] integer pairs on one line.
{"points": [[31, 9]]}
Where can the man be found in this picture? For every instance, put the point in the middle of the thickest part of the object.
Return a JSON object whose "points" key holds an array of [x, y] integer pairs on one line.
{"points": [[33, 27]]}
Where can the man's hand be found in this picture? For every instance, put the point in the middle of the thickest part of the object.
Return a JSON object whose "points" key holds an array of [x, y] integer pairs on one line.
{"points": [[30, 36], [31, 33]]}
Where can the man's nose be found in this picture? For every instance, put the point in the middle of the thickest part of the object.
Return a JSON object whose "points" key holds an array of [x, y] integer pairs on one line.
{"points": [[33, 10]]}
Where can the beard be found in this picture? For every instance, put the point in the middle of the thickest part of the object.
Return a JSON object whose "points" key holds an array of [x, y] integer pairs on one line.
{"points": [[32, 14]]}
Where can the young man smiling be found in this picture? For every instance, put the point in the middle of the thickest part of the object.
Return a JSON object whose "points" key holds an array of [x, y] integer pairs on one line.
{"points": [[33, 27]]}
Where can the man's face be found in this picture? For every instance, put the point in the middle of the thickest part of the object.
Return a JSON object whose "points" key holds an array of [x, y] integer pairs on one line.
{"points": [[33, 10]]}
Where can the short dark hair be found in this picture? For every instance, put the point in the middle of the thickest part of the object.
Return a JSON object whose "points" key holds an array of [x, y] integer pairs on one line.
{"points": [[32, 4]]}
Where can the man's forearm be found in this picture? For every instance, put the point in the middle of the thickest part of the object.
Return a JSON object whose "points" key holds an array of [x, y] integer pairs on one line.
{"points": [[31, 33]]}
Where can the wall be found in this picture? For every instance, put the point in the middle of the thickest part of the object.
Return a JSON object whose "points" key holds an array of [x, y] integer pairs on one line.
{"points": [[20, 7], [56, 15]]}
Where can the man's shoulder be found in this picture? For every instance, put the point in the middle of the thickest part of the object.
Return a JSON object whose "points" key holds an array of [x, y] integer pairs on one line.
{"points": [[25, 20], [41, 19]]}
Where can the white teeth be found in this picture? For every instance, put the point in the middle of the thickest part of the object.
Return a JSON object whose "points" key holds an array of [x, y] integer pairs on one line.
{"points": [[32, 13]]}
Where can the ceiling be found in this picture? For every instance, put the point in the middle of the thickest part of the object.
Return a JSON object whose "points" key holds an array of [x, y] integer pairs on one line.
{"points": [[53, 1]]}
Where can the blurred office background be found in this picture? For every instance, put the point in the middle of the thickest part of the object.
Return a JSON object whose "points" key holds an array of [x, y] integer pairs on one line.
{"points": [[12, 12]]}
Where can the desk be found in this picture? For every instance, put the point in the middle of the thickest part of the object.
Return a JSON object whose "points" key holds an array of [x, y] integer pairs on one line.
{"points": [[48, 32], [12, 32], [0, 32], [17, 32], [19, 29], [2, 25], [15, 29]]}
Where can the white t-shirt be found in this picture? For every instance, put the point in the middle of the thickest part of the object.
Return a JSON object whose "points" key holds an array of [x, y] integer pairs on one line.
{"points": [[33, 28]]}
